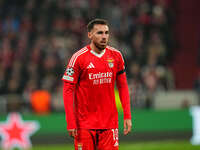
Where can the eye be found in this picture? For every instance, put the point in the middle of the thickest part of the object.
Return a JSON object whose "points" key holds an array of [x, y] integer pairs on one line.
{"points": [[107, 32], [100, 32]]}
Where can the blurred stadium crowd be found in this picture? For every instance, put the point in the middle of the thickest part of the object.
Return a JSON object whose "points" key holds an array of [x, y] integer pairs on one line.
{"points": [[37, 37]]}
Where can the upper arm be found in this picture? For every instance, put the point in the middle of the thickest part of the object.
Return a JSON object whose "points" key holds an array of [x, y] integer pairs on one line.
{"points": [[121, 64], [72, 70]]}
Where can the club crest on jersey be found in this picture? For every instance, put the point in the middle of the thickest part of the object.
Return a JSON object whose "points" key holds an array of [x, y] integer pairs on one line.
{"points": [[70, 71], [110, 63]]}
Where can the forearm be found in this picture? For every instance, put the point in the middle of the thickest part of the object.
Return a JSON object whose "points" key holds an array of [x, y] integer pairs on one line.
{"points": [[122, 86], [68, 98]]}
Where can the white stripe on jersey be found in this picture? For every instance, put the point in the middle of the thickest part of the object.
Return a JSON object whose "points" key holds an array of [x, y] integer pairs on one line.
{"points": [[113, 49], [78, 56], [73, 57], [71, 62]]}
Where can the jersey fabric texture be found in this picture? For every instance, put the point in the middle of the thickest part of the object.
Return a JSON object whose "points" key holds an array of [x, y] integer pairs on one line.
{"points": [[92, 78]]}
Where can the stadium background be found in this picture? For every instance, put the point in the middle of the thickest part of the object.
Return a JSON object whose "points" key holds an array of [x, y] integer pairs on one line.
{"points": [[158, 38]]}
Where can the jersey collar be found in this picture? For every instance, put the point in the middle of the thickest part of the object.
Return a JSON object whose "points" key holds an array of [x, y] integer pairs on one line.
{"points": [[98, 55]]}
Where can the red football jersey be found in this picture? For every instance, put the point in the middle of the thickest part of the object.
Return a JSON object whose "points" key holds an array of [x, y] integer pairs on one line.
{"points": [[94, 77]]}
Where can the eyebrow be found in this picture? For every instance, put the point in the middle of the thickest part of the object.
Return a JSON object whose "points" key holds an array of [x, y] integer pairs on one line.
{"points": [[100, 32]]}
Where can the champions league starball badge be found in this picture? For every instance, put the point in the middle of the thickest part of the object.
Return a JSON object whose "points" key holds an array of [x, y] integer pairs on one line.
{"points": [[15, 132], [70, 71]]}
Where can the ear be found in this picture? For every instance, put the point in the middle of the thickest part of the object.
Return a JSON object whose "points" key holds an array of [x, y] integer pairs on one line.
{"points": [[89, 35]]}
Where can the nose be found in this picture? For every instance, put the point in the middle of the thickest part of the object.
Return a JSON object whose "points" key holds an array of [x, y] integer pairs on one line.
{"points": [[104, 36]]}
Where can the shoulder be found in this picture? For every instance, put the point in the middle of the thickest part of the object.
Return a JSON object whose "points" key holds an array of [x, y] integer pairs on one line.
{"points": [[80, 52], [114, 51], [77, 55]]}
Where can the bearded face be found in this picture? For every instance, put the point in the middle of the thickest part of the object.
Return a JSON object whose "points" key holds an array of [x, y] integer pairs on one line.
{"points": [[99, 36]]}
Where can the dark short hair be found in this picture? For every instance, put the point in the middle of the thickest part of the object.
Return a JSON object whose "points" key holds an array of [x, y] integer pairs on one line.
{"points": [[91, 24]]}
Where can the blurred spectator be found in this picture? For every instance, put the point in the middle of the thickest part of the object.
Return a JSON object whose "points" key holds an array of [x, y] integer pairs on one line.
{"points": [[6, 53], [157, 48], [56, 101], [138, 47], [10, 25], [137, 93], [2, 80]]}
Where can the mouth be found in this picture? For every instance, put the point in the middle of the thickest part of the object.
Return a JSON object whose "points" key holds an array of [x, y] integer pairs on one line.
{"points": [[103, 42], [101, 45]]}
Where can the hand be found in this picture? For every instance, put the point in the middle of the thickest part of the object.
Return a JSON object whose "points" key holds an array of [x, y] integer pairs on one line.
{"points": [[127, 126], [72, 132]]}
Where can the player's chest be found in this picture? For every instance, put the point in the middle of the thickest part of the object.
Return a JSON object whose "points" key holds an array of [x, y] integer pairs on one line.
{"points": [[96, 65], [99, 70]]}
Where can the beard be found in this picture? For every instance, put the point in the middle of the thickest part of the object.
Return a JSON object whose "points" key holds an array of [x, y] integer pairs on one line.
{"points": [[99, 46]]}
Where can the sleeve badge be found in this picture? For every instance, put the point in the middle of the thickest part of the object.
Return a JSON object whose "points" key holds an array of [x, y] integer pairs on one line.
{"points": [[70, 71]]}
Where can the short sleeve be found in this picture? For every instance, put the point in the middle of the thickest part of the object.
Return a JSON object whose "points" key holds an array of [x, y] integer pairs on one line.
{"points": [[72, 70]]}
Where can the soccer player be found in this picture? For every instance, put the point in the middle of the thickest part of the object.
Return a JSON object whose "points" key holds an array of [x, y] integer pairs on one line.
{"points": [[88, 92]]}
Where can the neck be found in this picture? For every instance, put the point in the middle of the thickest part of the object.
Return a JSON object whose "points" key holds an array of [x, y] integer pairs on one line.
{"points": [[96, 49]]}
